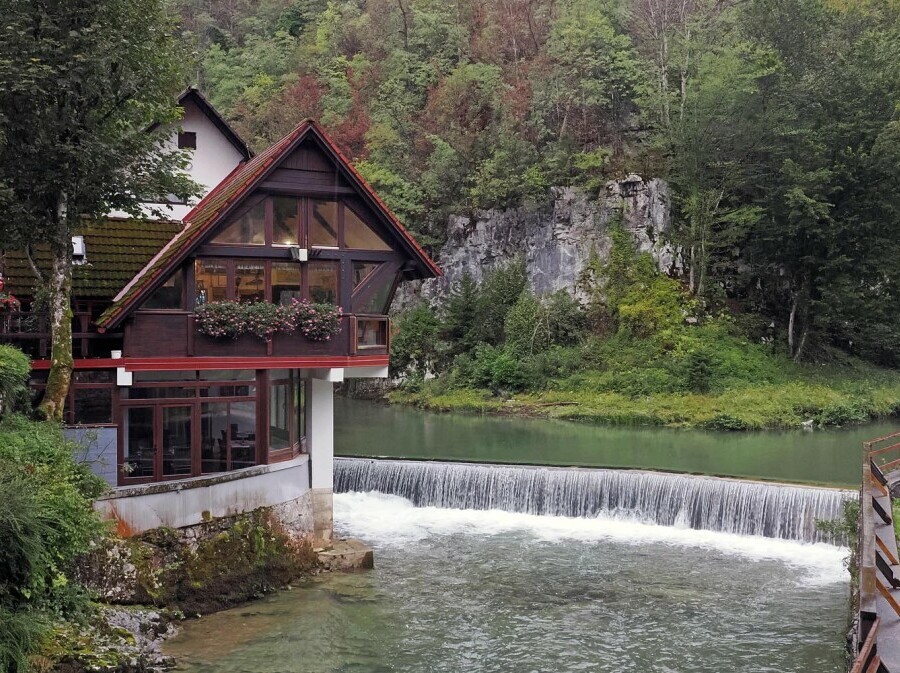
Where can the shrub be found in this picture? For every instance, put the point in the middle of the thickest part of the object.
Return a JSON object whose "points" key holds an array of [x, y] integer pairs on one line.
{"points": [[414, 349], [498, 293], [525, 326], [14, 369], [46, 521]]}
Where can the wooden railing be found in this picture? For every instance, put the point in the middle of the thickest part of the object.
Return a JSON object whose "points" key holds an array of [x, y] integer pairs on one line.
{"points": [[30, 332], [877, 558]]}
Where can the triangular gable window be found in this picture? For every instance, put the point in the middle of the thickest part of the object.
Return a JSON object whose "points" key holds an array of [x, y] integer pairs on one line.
{"points": [[248, 229], [359, 235], [170, 295]]}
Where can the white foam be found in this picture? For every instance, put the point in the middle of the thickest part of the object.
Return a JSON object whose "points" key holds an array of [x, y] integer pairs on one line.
{"points": [[391, 520]]}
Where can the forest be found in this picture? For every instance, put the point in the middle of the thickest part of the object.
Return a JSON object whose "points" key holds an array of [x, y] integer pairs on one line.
{"points": [[775, 121]]}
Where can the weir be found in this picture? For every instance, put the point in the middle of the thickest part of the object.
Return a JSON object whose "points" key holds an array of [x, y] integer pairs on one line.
{"points": [[705, 503]]}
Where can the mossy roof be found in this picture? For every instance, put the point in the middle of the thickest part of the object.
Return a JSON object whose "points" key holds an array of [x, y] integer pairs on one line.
{"points": [[116, 249]]}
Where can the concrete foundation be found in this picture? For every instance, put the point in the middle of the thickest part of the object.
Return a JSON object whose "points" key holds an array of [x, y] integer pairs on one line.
{"points": [[189, 502], [323, 514]]}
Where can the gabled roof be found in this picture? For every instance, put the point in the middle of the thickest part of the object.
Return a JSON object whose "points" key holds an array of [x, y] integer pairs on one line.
{"points": [[225, 197], [116, 250], [193, 95]]}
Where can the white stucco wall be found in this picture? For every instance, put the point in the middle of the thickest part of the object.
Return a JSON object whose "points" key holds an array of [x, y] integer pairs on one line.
{"points": [[214, 158], [189, 502]]}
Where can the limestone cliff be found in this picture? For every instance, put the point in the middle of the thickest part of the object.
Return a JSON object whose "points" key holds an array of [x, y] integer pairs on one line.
{"points": [[556, 241]]}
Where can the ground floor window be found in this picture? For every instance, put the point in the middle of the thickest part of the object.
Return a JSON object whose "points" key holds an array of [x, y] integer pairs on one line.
{"points": [[184, 424], [287, 411], [90, 397]]}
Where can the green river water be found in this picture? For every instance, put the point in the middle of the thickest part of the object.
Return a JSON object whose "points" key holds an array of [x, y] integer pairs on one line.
{"points": [[502, 592], [827, 457]]}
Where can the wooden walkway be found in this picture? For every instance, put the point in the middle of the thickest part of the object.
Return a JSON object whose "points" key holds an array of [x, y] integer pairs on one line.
{"points": [[878, 628]]}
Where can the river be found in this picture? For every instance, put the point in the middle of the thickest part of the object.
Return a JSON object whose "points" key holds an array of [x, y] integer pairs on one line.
{"points": [[496, 592], [560, 570], [828, 457]]}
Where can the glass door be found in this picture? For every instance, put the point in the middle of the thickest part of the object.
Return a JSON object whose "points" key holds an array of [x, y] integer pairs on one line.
{"points": [[176, 438], [139, 442]]}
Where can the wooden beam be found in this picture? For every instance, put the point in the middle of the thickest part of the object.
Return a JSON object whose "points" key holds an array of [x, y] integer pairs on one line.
{"points": [[888, 596], [867, 649], [886, 551]]}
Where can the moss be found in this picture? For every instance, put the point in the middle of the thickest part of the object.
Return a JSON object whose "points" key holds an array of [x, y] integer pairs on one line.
{"points": [[243, 558]]}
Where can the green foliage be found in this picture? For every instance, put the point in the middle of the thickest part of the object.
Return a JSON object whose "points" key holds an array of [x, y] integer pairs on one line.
{"points": [[414, 349], [14, 369], [45, 523], [667, 361], [525, 328], [230, 319], [498, 293]]}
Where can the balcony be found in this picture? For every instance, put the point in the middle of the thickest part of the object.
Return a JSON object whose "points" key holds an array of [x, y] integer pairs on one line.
{"points": [[30, 332], [175, 334]]}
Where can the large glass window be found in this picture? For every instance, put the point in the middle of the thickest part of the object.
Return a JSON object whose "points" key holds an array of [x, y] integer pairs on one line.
{"points": [[361, 271], [242, 434], [378, 298], [138, 442], [249, 281], [248, 229], [90, 397], [285, 282], [211, 279], [323, 224], [358, 234], [92, 406], [213, 437], [170, 295], [205, 422], [285, 221], [176, 440], [287, 423], [323, 282], [371, 332], [299, 408], [280, 402]]}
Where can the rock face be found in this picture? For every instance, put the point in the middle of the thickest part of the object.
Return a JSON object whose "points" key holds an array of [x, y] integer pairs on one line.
{"points": [[557, 241]]}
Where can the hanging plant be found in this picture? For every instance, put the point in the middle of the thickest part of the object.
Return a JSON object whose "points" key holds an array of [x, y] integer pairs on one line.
{"points": [[220, 319], [8, 303], [317, 322]]}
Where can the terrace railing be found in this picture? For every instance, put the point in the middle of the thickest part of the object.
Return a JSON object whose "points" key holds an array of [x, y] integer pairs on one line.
{"points": [[878, 625], [30, 332]]}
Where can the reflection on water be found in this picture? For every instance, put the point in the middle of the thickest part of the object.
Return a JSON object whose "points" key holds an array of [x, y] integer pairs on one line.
{"points": [[488, 591], [817, 457]]}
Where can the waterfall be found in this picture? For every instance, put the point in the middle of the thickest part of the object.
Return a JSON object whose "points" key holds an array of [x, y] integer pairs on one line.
{"points": [[707, 503]]}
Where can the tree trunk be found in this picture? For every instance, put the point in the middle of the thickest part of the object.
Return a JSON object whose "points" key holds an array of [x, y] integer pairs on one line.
{"points": [[791, 320], [59, 284]]}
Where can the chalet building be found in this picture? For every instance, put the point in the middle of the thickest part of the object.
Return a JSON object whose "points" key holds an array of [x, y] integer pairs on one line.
{"points": [[207, 347]]}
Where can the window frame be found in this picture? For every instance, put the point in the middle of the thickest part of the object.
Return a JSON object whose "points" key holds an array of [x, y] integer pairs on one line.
{"points": [[184, 136]]}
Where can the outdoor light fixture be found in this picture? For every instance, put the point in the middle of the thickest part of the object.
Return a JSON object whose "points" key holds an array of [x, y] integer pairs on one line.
{"points": [[79, 251], [299, 254]]}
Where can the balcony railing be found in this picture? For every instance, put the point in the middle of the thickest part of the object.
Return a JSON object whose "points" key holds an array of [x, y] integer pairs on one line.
{"points": [[30, 332]]}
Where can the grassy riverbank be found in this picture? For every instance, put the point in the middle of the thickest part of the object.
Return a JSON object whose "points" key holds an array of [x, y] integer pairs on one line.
{"points": [[837, 401], [641, 351]]}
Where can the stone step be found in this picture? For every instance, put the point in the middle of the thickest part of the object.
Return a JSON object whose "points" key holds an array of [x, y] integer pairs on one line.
{"points": [[347, 554]]}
